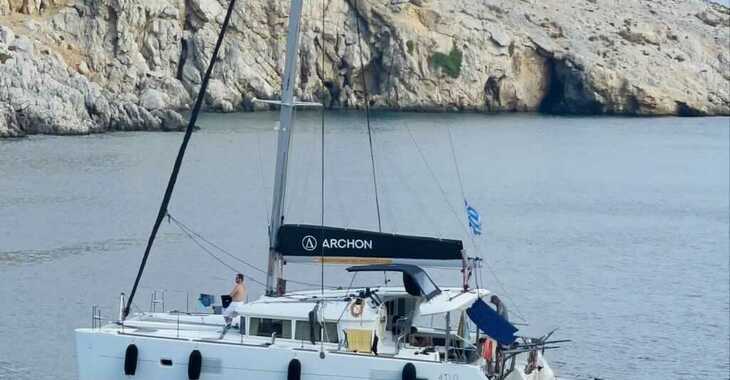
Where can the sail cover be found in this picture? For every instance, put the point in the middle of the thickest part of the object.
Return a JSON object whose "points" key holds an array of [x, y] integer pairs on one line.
{"points": [[300, 243]]}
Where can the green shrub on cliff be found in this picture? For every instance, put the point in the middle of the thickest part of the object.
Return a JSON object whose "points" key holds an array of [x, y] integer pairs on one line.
{"points": [[450, 64]]}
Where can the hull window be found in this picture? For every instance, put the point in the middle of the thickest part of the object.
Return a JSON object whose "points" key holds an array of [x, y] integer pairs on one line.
{"points": [[330, 331], [267, 327]]}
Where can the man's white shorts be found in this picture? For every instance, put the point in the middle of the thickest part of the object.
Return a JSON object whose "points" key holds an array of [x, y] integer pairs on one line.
{"points": [[233, 310]]}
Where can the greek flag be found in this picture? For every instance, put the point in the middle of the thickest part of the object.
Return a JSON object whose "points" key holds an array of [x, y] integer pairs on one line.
{"points": [[475, 220]]}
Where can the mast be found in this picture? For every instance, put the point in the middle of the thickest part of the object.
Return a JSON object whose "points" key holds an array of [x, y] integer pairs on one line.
{"points": [[286, 123]]}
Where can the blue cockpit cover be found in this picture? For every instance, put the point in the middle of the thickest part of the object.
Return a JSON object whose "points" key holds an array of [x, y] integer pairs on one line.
{"points": [[492, 323]]}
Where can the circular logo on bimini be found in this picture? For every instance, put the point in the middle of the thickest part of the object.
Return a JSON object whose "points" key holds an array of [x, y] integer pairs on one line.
{"points": [[309, 243]]}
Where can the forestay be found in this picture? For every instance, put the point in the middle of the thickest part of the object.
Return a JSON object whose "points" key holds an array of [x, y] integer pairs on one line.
{"points": [[331, 245]]}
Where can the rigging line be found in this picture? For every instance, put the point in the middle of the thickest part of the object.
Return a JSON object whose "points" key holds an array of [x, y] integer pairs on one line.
{"points": [[493, 272], [508, 296], [476, 246], [211, 254], [181, 154], [195, 236], [367, 114], [403, 181], [187, 229], [339, 32], [307, 165], [499, 282], [433, 175], [456, 163], [466, 229], [394, 221], [463, 195], [262, 187], [191, 235], [390, 71], [476, 273], [139, 309], [288, 195], [323, 52], [352, 281], [165, 289]]}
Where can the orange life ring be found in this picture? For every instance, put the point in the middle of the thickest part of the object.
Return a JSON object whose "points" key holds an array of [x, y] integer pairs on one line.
{"points": [[487, 349], [356, 308]]}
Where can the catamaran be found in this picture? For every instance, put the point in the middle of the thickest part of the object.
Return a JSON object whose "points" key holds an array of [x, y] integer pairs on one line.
{"points": [[415, 331]]}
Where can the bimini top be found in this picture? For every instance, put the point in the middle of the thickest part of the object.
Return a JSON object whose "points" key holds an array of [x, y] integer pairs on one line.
{"points": [[345, 246], [416, 281]]}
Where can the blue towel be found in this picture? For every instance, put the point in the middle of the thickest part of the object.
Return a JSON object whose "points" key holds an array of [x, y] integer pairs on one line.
{"points": [[206, 299]]}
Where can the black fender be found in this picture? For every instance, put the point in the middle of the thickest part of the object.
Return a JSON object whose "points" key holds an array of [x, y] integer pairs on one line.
{"points": [[409, 372], [195, 365], [295, 370], [130, 360]]}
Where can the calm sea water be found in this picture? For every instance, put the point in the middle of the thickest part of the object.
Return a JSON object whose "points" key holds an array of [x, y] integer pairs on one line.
{"points": [[613, 230]]}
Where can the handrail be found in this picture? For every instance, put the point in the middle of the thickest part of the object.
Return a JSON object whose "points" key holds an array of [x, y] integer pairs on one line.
{"points": [[96, 317], [398, 342], [121, 306]]}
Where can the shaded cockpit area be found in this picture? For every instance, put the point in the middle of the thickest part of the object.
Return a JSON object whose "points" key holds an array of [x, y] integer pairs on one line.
{"points": [[415, 280]]}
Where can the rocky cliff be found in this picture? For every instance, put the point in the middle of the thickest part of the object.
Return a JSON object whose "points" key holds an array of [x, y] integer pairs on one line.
{"points": [[80, 66]]}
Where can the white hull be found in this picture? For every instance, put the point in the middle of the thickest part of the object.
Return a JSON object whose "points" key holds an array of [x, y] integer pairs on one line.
{"points": [[100, 355]]}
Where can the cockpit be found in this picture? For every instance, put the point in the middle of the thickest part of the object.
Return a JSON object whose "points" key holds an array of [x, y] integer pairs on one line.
{"points": [[426, 321]]}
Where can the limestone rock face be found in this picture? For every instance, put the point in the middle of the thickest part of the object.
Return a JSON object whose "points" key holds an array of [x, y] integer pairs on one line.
{"points": [[8, 123], [577, 57], [39, 93], [71, 58]]}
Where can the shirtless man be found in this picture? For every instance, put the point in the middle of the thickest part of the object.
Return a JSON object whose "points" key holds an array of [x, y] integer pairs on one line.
{"points": [[238, 296], [501, 308], [502, 311]]}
